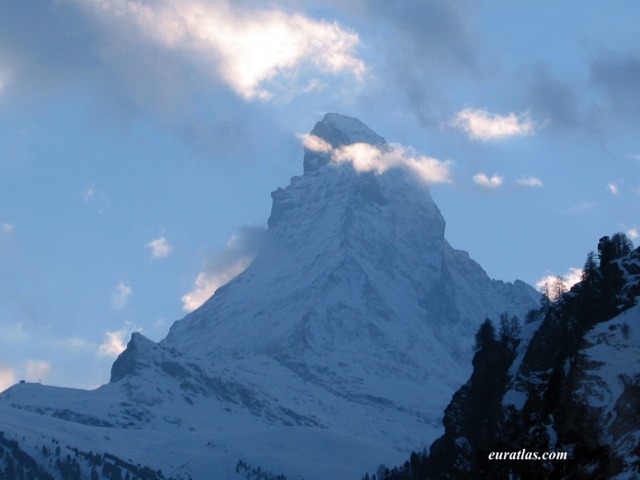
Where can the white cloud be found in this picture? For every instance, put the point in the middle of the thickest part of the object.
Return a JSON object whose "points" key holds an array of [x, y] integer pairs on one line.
{"points": [[371, 158], [633, 233], [6, 228], [237, 255], [120, 295], [160, 248], [484, 181], [115, 342], [613, 188], [7, 377], [529, 182], [37, 370], [315, 143], [483, 125], [568, 280], [246, 48]]}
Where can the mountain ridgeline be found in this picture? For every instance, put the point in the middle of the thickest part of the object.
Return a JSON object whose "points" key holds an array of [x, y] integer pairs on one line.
{"points": [[337, 349], [566, 383]]}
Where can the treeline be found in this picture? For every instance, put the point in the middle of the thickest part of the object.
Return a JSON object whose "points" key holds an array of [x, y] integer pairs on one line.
{"points": [[256, 473], [477, 423], [16, 464]]}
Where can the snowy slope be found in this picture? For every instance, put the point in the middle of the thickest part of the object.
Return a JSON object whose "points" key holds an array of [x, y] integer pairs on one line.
{"points": [[336, 350]]}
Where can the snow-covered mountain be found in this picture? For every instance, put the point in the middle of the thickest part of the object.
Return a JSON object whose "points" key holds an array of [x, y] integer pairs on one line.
{"points": [[336, 350]]}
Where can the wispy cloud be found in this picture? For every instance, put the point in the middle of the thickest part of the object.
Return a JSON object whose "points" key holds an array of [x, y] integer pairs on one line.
{"points": [[160, 248], [373, 158], [529, 182], [206, 284], [120, 295], [37, 370], [488, 182], [6, 229], [613, 188], [115, 342], [580, 208], [89, 193], [247, 48], [483, 125], [238, 254]]}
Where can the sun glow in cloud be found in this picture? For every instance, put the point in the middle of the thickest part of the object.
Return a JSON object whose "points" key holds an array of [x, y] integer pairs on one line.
{"points": [[483, 125], [488, 182], [372, 158], [566, 281], [246, 48], [234, 259], [206, 284], [115, 342], [7, 377]]}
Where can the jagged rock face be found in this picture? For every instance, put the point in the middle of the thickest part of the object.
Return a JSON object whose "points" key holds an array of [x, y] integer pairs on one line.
{"points": [[352, 328]]}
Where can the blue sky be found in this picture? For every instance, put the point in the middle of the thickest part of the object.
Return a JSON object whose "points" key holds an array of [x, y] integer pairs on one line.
{"points": [[140, 141]]}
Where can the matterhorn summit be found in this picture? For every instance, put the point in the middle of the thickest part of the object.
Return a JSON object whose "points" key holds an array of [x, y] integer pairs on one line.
{"points": [[336, 350]]}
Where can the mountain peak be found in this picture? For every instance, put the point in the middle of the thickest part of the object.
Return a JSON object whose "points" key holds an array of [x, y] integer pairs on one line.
{"points": [[338, 130]]}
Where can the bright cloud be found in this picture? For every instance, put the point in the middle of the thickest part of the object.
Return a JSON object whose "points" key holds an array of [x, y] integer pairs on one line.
{"points": [[529, 182], [246, 48], [120, 295], [483, 125], [7, 377], [160, 248], [37, 370], [371, 158], [613, 188], [633, 233], [6, 228], [315, 143], [115, 342], [206, 284], [238, 254], [488, 182], [550, 283]]}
